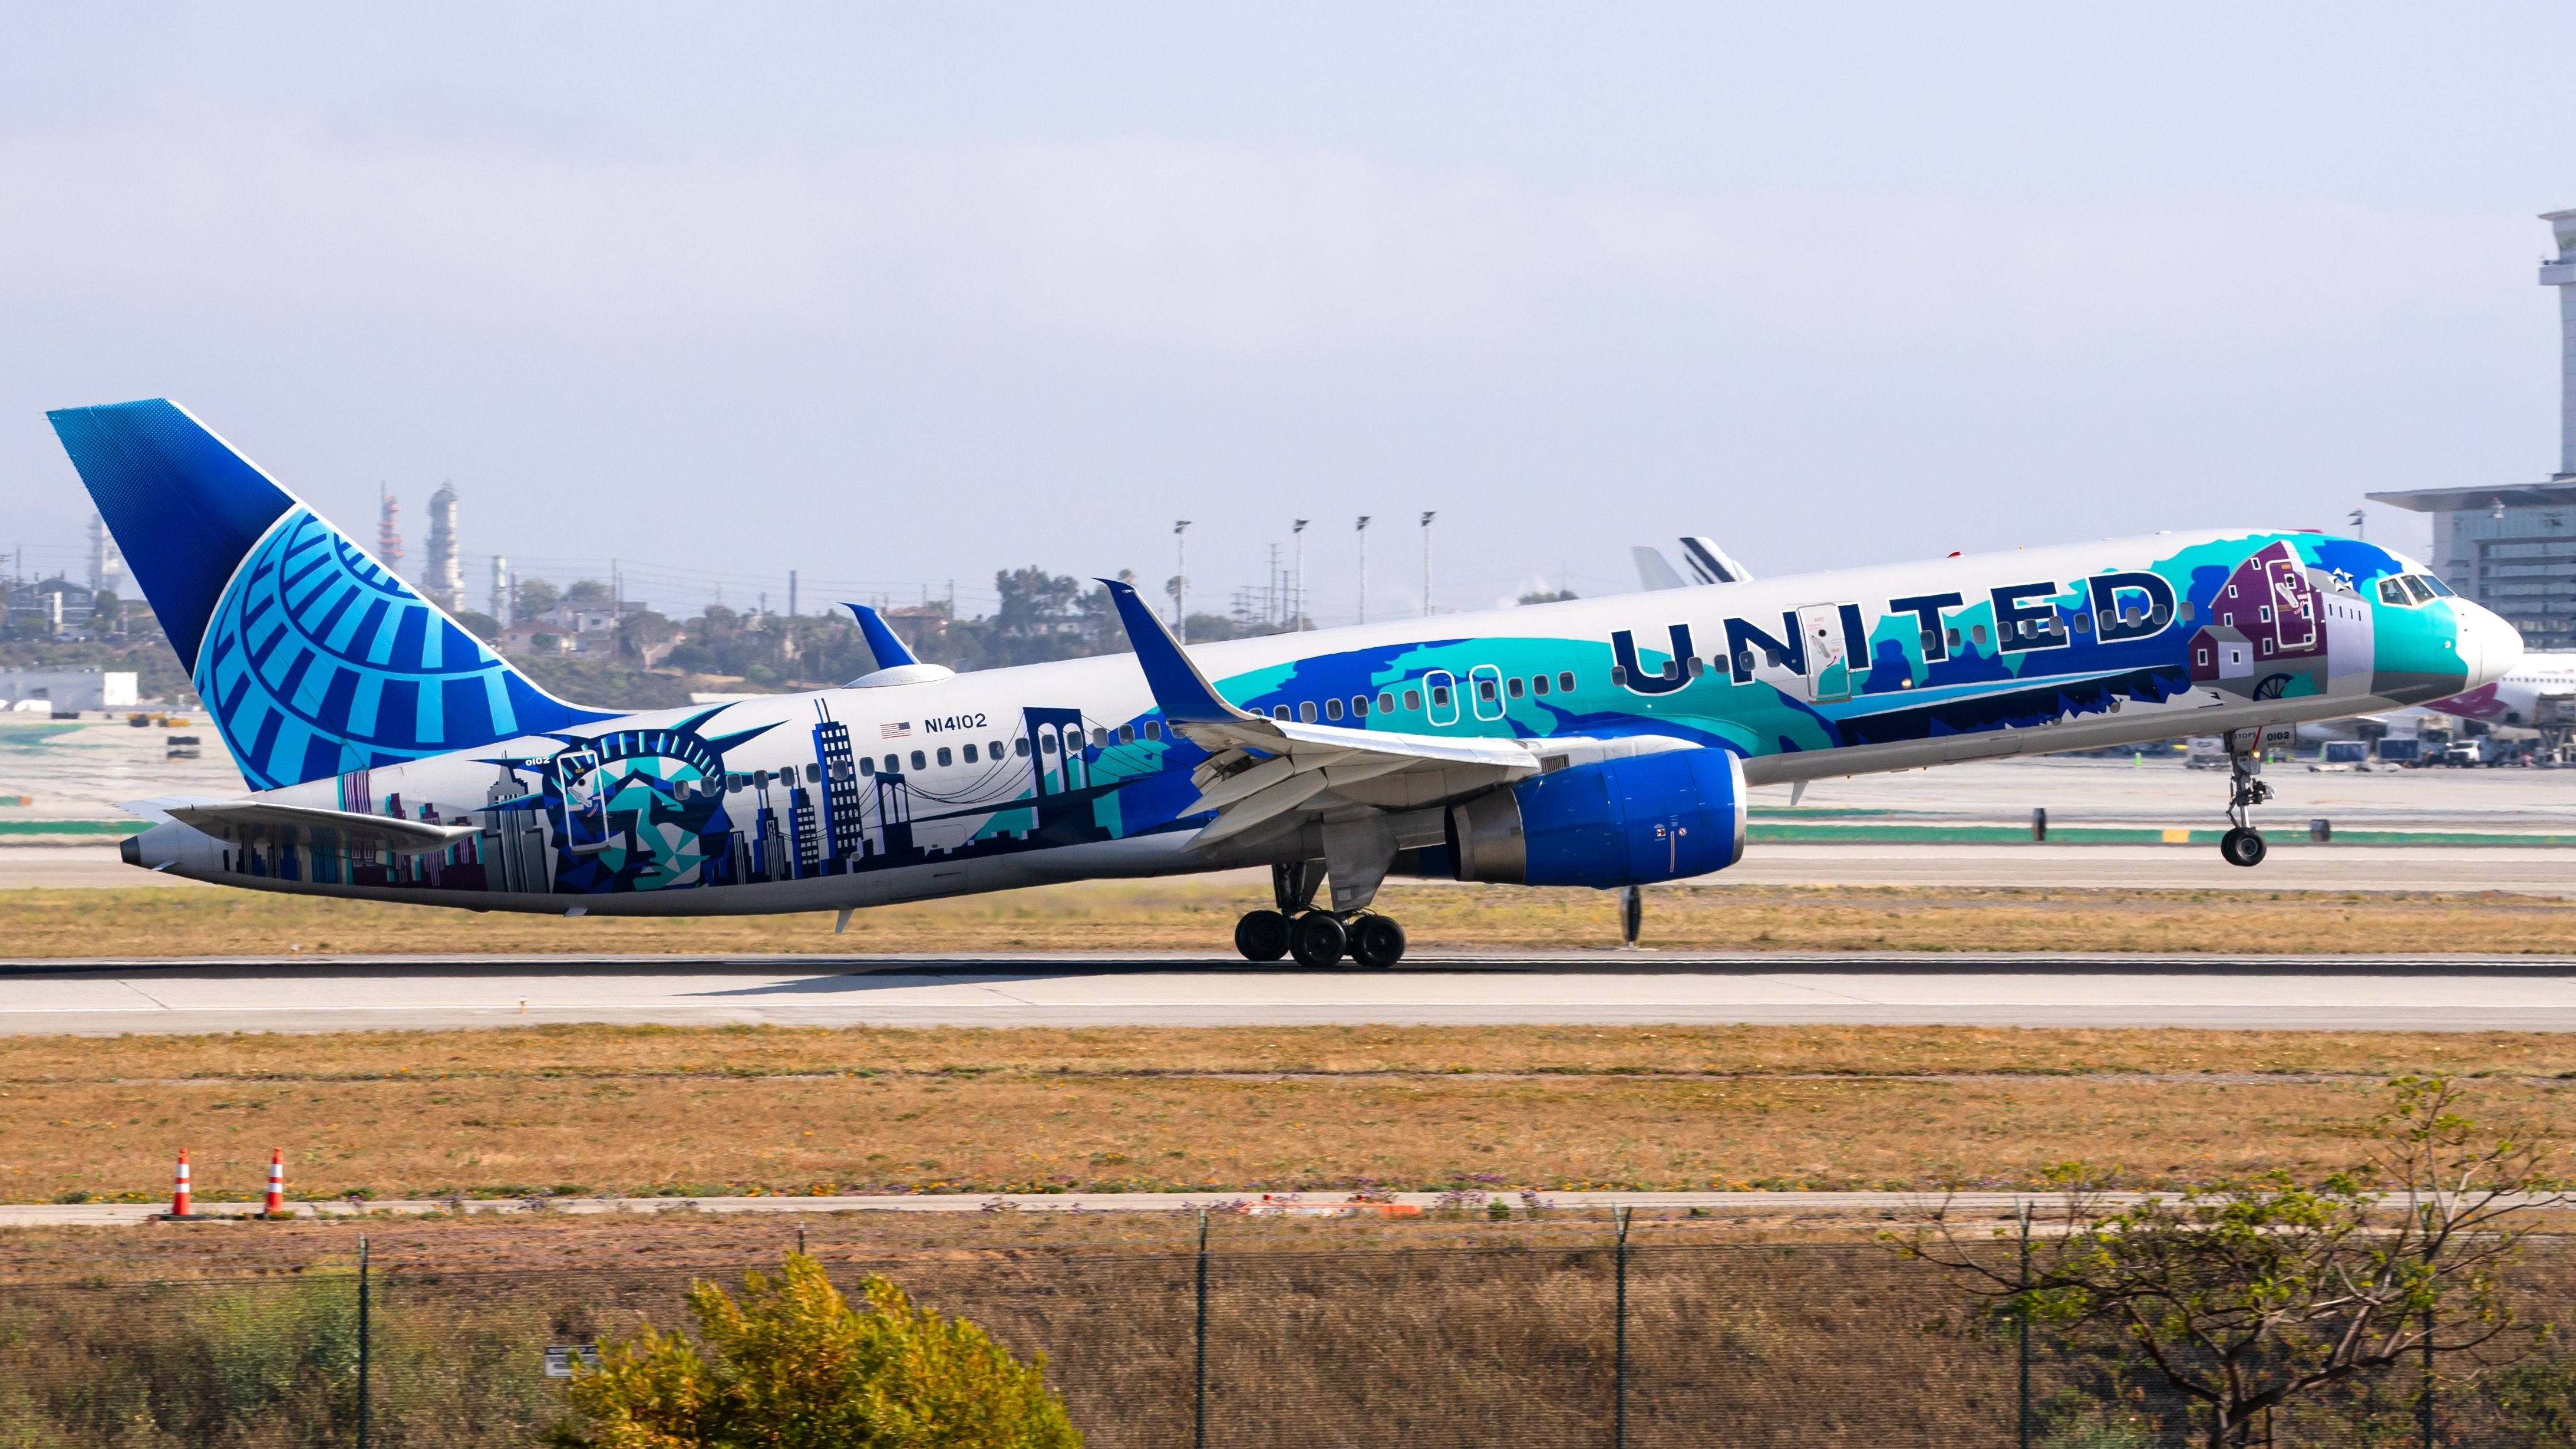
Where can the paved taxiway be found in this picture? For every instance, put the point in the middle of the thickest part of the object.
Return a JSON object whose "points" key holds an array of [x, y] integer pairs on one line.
{"points": [[2294, 865], [346, 994]]}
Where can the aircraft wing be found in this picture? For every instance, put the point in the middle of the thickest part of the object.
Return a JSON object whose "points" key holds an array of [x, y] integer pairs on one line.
{"points": [[1261, 769], [232, 819]]}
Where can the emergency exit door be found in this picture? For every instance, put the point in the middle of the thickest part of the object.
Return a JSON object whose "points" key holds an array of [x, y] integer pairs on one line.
{"points": [[1820, 632]]}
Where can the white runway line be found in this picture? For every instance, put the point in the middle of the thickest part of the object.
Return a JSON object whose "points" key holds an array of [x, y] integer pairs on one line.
{"points": [[2348, 993]]}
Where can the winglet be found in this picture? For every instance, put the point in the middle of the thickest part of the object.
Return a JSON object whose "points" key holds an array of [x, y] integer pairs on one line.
{"points": [[1180, 691], [884, 645]]}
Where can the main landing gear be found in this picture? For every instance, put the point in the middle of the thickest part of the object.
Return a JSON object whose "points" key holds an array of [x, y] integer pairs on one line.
{"points": [[1316, 938], [2243, 844]]}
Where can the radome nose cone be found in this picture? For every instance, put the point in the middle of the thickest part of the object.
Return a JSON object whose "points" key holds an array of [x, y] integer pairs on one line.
{"points": [[2498, 645]]}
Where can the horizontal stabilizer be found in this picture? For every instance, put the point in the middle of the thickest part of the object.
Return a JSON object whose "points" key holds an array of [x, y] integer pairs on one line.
{"points": [[258, 819]]}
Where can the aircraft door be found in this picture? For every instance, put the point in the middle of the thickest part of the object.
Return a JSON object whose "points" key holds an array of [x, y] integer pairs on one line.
{"points": [[582, 793], [1828, 661], [1485, 684]]}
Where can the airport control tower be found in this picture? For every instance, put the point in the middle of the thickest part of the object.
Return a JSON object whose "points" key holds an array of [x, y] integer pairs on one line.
{"points": [[2512, 547]]}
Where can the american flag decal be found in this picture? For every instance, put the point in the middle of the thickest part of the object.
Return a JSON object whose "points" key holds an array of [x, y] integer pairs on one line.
{"points": [[894, 731]]}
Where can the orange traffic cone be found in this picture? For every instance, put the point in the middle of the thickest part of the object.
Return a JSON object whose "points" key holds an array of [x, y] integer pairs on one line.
{"points": [[179, 1188], [276, 1206]]}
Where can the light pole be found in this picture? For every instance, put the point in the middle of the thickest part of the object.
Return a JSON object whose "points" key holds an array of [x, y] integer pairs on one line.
{"points": [[1297, 607], [1426, 562], [1363, 532], [1181, 581]]}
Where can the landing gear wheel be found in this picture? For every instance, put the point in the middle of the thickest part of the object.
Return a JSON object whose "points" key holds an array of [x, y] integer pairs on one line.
{"points": [[1316, 939], [2243, 847], [1261, 936], [1377, 942]]}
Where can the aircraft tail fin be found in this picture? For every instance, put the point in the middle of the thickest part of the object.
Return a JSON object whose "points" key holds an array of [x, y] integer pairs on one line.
{"points": [[1653, 573], [1710, 564], [313, 658]]}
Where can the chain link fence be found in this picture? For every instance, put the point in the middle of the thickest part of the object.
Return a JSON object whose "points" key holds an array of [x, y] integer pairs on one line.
{"points": [[1649, 1346]]}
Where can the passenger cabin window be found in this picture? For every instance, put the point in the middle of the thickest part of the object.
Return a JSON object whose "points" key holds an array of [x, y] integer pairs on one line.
{"points": [[1046, 744], [944, 759], [1333, 707], [1439, 695], [1153, 729], [1306, 711], [2083, 623], [1126, 734], [1359, 706], [920, 761], [1020, 747], [1977, 633], [1698, 666], [893, 764], [1386, 703], [1413, 699], [1100, 738], [1565, 681], [1538, 684], [867, 766], [1512, 687], [970, 754], [1485, 689]]}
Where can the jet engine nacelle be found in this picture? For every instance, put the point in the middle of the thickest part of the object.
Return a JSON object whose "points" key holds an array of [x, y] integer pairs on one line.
{"points": [[1615, 823]]}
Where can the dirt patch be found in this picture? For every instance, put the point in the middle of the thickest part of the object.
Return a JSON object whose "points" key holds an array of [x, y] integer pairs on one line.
{"points": [[1199, 915]]}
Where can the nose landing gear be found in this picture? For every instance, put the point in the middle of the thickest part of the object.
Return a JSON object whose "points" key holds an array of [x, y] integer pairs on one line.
{"points": [[1316, 938], [2243, 844]]}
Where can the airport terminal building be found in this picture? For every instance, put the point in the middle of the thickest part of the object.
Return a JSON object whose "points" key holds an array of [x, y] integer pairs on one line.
{"points": [[2513, 548]]}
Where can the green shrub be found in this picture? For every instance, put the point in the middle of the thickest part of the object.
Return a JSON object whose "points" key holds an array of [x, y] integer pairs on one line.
{"points": [[793, 1365]]}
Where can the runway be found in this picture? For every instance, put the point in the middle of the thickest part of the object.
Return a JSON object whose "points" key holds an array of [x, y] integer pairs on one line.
{"points": [[354, 994]]}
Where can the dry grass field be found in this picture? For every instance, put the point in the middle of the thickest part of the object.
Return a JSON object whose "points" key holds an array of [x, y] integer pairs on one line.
{"points": [[1199, 915], [698, 1112]]}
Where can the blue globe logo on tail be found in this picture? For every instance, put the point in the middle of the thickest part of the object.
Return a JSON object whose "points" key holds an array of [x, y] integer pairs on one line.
{"points": [[313, 658]]}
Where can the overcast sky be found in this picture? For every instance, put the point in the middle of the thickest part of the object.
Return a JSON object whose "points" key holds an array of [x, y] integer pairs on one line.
{"points": [[894, 295]]}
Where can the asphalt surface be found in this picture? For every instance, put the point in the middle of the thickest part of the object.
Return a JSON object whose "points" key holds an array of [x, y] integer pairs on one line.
{"points": [[1999, 1205], [2461, 993]]}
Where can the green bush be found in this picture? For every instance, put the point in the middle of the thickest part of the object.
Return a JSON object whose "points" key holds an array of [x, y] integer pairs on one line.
{"points": [[794, 1365]]}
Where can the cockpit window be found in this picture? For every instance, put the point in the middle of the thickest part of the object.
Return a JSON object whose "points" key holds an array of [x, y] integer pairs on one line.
{"points": [[2437, 586], [2415, 586], [2393, 592]]}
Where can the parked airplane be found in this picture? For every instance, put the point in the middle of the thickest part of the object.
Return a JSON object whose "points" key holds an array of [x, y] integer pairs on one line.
{"points": [[392, 755], [2538, 693]]}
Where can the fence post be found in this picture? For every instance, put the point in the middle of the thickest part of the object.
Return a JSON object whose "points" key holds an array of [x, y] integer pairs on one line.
{"points": [[1619, 1343], [1198, 1413], [365, 1314], [2426, 1409], [2022, 1312]]}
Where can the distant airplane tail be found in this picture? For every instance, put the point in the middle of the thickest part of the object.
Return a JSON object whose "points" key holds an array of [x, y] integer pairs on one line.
{"points": [[313, 658]]}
